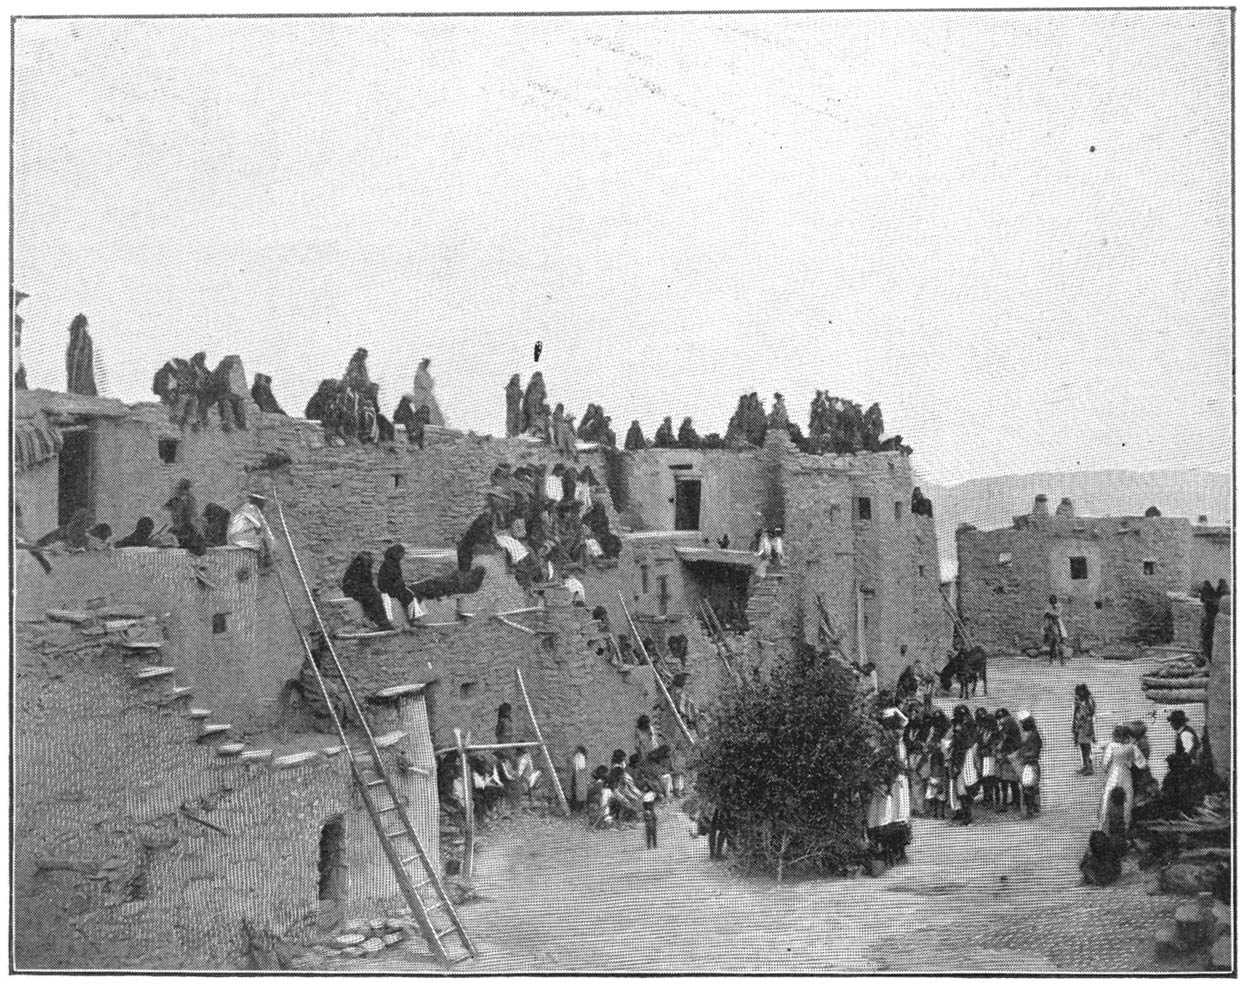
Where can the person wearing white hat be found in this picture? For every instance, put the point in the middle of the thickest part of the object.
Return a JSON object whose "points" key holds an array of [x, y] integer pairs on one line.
{"points": [[649, 810], [248, 529]]}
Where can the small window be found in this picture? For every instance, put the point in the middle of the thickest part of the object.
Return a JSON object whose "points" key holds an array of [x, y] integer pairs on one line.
{"points": [[400, 481], [1098, 603], [863, 508], [921, 569], [219, 623], [663, 597], [1005, 557], [468, 689], [167, 447], [1148, 567], [832, 512], [644, 579], [899, 511], [1077, 569]]}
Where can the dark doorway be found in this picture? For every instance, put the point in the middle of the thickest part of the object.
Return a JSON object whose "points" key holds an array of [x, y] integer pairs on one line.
{"points": [[332, 866], [74, 475], [687, 504]]}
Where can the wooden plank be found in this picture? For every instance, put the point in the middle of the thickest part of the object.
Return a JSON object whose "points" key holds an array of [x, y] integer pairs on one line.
{"points": [[491, 747], [469, 812], [549, 763]]}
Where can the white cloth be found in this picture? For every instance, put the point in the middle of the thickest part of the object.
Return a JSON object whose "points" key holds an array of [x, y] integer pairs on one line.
{"points": [[592, 548], [413, 611], [1187, 740], [553, 488], [249, 529], [584, 494], [763, 546], [901, 803], [575, 587], [880, 810], [514, 549], [1119, 759]]}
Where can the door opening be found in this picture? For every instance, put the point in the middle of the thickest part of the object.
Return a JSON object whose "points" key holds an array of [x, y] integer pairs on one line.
{"points": [[74, 476], [687, 504]]}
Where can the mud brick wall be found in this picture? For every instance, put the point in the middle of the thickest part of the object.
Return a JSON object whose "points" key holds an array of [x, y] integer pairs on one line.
{"points": [[835, 553], [238, 673], [1002, 602], [1220, 692], [35, 489]]}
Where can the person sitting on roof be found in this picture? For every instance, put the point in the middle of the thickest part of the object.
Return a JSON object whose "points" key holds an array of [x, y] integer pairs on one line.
{"points": [[215, 525], [357, 584], [249, 529], [262, 394], [141, 536], [393, 588], [229, 383], [187, 526]]}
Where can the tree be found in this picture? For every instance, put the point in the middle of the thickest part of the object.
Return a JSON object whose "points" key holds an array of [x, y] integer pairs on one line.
{"points": [[789, 759]]}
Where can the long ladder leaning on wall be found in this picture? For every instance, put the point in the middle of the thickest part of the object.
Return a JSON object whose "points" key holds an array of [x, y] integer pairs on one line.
{"points": [[426, 876]]}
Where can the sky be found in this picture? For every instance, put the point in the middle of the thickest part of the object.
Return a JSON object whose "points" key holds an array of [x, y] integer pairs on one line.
{"points": [[1012, 230]]}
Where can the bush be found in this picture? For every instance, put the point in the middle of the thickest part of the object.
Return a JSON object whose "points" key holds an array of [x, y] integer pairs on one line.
{"points": [[789, 760]]}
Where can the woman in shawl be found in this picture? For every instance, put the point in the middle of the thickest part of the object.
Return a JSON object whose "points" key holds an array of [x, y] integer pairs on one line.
{"points": [[357, 584], [1120, 759], [1007, 762], [1054, 633], [393, 588], [80, 359], [1029, 754], [964, 767], [422, 394]]}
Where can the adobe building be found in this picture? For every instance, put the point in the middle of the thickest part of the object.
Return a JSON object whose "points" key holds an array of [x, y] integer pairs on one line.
{"points": [[166, 791], [1116, 577]]}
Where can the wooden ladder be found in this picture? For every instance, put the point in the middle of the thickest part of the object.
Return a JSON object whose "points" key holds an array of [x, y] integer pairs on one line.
{"points": [[432, 909]]}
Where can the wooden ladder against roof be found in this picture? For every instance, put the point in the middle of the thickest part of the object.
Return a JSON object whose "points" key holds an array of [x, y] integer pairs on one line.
{"points": [[956, 620], [718, 637], [420, 884]]}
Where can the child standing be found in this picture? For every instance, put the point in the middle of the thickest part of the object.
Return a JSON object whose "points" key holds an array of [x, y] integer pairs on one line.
{"points": [[936, 786], [649, 809]]}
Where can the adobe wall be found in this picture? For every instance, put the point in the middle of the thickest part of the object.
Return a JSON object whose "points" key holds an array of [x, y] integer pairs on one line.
{"points": [[737, 490], [1211, 556], [237, 673], [110, 872], [1002, 598], [35, 489], [832, 552], [1220, 692]]}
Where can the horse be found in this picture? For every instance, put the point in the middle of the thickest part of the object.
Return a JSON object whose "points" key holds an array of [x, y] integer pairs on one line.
{"points": [[967, 667]]}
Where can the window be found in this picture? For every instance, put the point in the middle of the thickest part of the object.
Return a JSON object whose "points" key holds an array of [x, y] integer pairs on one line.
{"points": [[832, 512], [921, 570], [644, 579], [863, 508], [167, 447], [662, 595], [219, 623], [1005, 557], [1148, 567], [899, 511], [467, 689], [1077, 569], [400, 481]]}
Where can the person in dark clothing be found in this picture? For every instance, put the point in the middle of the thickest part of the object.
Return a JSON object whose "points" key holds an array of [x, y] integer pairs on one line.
{"points": [[648, 809], [80, 359], [390, 583], [229, 386], [724, 541], [262, 394], [215, 525], [569, 480], [635, 440], [195, 392], [187, 525], [1211, 607], [357, 584], [514, 407], [688, 437], [665, 437], [141, 537], [1101, 865]]}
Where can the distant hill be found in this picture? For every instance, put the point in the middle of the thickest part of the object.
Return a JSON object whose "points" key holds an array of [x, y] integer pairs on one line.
{"points": [[992, 502]]}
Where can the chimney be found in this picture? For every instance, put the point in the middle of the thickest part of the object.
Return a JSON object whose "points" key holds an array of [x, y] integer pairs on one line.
{"points": [[1040, 505], [1066, 508]]}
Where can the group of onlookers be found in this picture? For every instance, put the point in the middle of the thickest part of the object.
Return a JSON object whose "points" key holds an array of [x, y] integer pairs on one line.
{"points": [[349, 408], [189, 389]]}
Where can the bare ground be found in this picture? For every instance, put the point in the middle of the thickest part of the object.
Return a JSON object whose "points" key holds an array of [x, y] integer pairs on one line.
{"points": [[1003, 896]]}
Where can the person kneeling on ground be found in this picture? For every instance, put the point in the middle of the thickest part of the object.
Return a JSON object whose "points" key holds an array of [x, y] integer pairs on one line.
{"points": [[1101, 865]]}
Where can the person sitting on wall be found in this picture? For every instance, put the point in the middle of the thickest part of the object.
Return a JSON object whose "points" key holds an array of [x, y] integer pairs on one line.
{"points": [[248, 529], [393, 588], [228, 385], [215, 525], [635, 439], [194, 396], [141, 537], [357, 584], [724, 542], [187, 525], [665, 436], [262, 394], [98, 537], [166, 385]]}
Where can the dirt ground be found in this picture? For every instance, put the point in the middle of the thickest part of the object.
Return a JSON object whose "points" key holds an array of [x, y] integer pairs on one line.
{"points": [[1003, 896]]}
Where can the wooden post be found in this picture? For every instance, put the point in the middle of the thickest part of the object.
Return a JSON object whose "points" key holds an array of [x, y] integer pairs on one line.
{"points": [[657, 676], [469, 810], [549, 763]]}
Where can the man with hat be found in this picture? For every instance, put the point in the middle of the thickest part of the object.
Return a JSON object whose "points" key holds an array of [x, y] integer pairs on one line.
{"points": [[1185, 755], [248, 529]]}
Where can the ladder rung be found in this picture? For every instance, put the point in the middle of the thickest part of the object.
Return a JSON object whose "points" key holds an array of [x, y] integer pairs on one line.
{"points": [[408, 860], [436, 906], [400, 833], [391, 807], [449, 930], [373, 783]]}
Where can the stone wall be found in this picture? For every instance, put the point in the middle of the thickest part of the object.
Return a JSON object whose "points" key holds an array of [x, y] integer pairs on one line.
{"points": [[35, 489], [1211, 556], [110, 869], [1132, 563]]}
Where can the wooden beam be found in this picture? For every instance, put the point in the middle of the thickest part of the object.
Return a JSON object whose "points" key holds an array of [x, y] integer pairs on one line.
{"points": [[549, 763], [469, 812], [491, 747]]}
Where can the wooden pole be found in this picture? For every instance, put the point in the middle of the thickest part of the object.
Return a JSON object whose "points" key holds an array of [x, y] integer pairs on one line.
{"points": [[549, 763], [469, 811], [657, 676], [720, 641], [491, 747]]}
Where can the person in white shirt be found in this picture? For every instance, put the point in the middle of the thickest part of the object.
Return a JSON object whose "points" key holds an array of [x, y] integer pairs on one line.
{"points": [[249, 529]]}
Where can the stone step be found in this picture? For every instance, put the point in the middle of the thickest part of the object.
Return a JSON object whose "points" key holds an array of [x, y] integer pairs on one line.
{"points": [[255, 756], [295, 759], [176, 693], [213, 729], [228, 749]]}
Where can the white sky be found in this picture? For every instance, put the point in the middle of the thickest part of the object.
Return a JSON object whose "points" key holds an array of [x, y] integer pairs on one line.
{"points": [[895, 207]]}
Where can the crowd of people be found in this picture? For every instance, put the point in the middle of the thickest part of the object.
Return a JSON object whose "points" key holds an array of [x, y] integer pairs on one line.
{"points": [[349, 408], [528, 413], [190, 389]]}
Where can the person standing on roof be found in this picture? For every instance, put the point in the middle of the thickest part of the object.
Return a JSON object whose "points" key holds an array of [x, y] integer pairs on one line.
{"points": [[80, 359], [422, 395], [248, 529]]}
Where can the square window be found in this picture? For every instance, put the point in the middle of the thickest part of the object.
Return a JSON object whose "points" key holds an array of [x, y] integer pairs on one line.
{"points": [[219, 623], [1148, 567], [1005, 557], [644, 579], [863, 508], [1077, 569], [467, 689], [921, 570], [899, 511], [400, 481], [167, 447]]}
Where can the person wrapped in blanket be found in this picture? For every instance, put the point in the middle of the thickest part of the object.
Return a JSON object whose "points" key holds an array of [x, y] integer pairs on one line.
{"points": [[888, 811]]}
